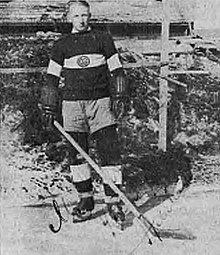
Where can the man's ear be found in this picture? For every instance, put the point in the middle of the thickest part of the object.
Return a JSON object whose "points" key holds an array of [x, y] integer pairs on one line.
{"points": [[68, 17], [90, 15]]}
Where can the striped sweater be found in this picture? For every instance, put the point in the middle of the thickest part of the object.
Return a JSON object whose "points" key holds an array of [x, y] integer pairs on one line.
{"points": [[86, 61]]}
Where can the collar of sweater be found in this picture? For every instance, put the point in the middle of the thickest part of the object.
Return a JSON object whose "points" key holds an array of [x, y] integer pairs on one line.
{"points": [[74, 31]]}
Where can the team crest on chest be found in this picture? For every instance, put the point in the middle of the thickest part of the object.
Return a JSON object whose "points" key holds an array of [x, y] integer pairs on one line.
{"points": [[83, 61]]}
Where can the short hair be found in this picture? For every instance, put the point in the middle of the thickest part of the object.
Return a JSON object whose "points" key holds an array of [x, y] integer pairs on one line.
{"points": [[79, 2]]}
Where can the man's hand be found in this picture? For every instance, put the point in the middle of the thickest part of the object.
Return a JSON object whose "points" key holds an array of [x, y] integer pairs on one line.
{"points": [[48, 117], [119, 106], [48, 106]]}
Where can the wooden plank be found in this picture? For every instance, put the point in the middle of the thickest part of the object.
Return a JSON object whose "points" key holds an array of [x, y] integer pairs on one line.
{"points": [[163, 94], [165, 77], [150, 71], [23, 70], [188, 72], [126, 66], [150, 47]]}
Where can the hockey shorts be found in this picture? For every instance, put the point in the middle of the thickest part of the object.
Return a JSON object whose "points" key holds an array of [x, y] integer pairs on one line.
{"points": [[87, 115]]}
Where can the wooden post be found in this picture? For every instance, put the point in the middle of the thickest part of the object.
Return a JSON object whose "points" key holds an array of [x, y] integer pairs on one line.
{"points": [[163, 83]]}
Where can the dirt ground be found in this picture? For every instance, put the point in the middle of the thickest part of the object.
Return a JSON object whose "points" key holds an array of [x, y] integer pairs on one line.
{"points": [[189, 225]]}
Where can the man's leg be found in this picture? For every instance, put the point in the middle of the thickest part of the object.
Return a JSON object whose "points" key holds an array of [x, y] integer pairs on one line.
{"points": [[109, 152], [75, 124], [81, 176], [102, 125]]}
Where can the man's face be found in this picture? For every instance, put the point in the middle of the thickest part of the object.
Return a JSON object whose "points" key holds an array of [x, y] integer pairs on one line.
{"points": [[79, 16]]}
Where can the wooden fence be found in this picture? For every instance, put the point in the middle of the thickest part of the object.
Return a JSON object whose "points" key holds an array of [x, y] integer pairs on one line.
{"points": [[164, 16]]}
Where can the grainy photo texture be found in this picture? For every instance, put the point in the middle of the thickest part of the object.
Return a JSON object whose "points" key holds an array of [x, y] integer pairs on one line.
{"points": [[110, 127]]}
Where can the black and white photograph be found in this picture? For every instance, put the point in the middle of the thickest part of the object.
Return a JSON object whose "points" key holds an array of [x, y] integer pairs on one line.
{"points": [[109, 127]]}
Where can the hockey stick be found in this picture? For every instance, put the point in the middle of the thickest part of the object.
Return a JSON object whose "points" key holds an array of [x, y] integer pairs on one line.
{"points": [[61, 219], [141, 219]]}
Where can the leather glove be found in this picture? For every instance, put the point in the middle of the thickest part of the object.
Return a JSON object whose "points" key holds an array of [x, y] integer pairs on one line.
{"points": [[120, 98], [49, 105], [119, 106], [48, 117]]}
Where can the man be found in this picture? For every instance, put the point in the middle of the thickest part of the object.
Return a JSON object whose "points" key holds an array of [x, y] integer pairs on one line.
{"points": [[93, 80]]}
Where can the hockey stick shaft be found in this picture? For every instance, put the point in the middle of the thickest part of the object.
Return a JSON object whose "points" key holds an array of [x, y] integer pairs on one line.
{"points": [[143, 222]]}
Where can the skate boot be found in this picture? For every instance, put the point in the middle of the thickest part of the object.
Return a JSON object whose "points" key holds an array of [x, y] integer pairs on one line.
{"points": [[81, 176], [116, 212], [114, 206], [83, 211]]}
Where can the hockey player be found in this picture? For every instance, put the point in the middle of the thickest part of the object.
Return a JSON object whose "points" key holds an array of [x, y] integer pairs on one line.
{"points": [[94, 85]]}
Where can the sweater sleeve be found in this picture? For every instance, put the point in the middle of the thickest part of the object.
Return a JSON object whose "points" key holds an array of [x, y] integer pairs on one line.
{"points": [[111, 53], [49, 92], [55, 65]]}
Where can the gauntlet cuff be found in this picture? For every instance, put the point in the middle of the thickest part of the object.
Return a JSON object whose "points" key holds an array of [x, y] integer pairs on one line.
{"points": [[119, 85]]}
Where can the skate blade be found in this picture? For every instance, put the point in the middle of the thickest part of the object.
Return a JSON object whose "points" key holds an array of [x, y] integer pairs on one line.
{"points": [[79, 219]]}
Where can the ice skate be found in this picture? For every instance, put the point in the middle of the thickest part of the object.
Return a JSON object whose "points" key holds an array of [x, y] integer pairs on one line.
{"points": [[83, 211], [115, 210]]}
